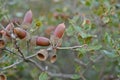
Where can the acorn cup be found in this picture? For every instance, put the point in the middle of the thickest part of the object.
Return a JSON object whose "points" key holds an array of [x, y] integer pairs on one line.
{"points": [[3, 77], [42, 54], [55, 41], [52, 56]]}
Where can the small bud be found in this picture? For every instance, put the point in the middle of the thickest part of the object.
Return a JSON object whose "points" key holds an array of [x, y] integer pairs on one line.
{"points": [[20, 33], [28, 17], [3, 77], [42, 55], [59, 31]]}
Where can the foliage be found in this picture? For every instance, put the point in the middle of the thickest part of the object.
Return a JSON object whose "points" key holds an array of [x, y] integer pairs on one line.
{"points": [[94, 23]]}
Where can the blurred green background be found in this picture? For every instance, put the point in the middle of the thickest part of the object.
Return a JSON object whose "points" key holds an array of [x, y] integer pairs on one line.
{"points": [[92, 22]]}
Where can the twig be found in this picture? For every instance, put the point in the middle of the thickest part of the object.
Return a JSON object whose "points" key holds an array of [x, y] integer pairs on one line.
{"points": [[81, 63], [61, 75], [36, 64], [74, 47], [14, 64], [50, 73], [18, 48], [39, 67], [81, 75], [10, 66], [10, 51], [2, 26]]}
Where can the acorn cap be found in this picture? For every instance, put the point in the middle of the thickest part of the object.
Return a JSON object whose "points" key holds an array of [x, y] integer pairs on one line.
{"points": [[42, 55], [3, 77], [55, 41], [52, 56]]}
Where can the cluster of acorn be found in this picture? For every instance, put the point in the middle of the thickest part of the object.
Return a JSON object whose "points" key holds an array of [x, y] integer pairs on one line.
{"points": [[12, 32]]}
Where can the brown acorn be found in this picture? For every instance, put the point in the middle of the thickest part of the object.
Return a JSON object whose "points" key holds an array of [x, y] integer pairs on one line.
{"points": [[49, 30], [4, 37], [2, 43], [20, 33], [3, 77], [42, 54], [28, 17], [9, 29], [59, 31], [40, 41], [2, 40]]}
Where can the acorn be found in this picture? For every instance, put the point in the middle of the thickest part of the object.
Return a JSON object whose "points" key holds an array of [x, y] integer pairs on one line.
{"points": [[2, 43], [49, 30], [9, 26], [3, 77], [9, 29], [2, 40], [42, 54], [28, 17], [40, 41], [20, 33], [59, 31]]}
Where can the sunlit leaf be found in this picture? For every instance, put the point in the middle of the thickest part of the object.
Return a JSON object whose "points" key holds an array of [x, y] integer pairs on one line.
{"points": [[43, 76], [105, 19], [76, 77], [96, 47], [70, 31], [110, 54]]}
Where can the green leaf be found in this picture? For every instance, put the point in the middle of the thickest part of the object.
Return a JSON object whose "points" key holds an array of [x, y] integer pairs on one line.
{"points": [[108, 39], [43, 76], [96, 47], [106, 19], [111, 54], [70, 31], [81, 51], [75, 76]]}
